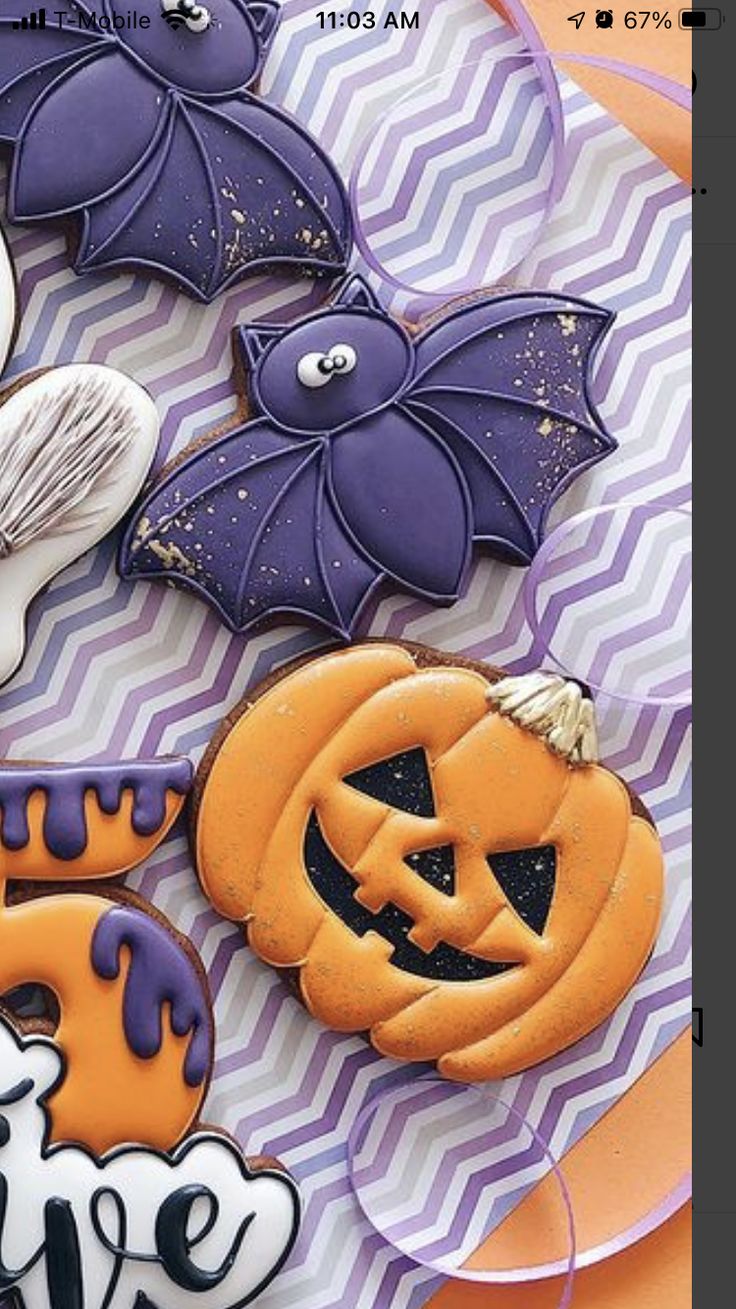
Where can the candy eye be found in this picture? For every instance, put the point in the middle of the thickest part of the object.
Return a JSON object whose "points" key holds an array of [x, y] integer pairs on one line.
{"points": [[344, 358], [189, 13], [315, 370]]}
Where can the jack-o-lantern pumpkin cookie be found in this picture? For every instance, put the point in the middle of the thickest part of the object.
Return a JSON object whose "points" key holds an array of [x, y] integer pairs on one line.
{"points": [[434, 848]]}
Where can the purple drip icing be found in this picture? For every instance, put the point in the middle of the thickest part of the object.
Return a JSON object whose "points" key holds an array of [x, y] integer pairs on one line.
{"points": [[65, 788], [160, 974]]}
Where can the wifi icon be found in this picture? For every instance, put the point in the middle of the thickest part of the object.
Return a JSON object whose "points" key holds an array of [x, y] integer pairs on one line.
{"points": [[186, 13]]}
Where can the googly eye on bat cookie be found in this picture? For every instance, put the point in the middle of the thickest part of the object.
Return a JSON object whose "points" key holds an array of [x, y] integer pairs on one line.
{"points": [[435, 849], [76, 443]]}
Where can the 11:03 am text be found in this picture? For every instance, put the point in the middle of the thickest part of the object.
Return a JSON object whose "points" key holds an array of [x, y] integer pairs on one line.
{"points": [[333, 20]]}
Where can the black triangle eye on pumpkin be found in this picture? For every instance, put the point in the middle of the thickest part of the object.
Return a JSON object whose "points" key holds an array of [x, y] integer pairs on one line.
{"points": [[527, 878], [403, 782], [480, 893]]}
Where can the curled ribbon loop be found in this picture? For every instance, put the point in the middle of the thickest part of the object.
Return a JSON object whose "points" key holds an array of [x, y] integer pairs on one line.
{"points": [[433, 1190], [512, 197], [379, 1131], [410, 226], [640, 556]]}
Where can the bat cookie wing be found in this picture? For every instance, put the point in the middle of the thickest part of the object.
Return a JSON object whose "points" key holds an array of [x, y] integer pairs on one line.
{"points": [[29, 67], [247, 524], [506, 384], [173, 166], [240, 149]]}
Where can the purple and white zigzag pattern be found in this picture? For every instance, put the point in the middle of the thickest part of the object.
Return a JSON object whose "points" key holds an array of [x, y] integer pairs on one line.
{"points": [[118, 670]]}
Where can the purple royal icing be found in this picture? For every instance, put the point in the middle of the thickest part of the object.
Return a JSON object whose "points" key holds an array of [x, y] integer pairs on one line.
{"points": [[150, 138], [412, 451], [160, 974], [65, 787]]}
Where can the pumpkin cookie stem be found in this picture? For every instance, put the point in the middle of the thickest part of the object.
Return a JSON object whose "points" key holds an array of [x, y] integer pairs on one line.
{"points": [[552, 708]]}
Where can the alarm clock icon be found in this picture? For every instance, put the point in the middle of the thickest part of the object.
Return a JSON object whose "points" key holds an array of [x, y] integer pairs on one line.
{"points": [[604, 18]]}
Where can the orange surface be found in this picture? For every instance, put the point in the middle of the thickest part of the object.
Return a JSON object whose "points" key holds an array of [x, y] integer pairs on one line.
{"points": [[622, 1167], [664, 127], [656, 1274]]}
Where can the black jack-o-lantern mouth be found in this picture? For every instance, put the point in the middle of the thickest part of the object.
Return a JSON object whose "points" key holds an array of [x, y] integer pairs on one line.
{"points": [[526, 877]]}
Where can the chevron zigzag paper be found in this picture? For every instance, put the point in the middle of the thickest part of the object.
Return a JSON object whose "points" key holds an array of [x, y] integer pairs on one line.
{"points": [[117, 670]]}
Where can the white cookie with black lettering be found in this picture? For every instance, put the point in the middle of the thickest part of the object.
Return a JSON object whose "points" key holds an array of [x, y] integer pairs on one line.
{"points": [[196, 1229]]}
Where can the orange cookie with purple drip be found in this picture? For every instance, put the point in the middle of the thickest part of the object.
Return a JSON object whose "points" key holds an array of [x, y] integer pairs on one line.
{"points": [[134, 1024], [103, 1157], [436, 850]]}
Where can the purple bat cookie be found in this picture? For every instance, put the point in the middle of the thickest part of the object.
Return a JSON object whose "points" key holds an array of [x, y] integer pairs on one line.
{"points": [[372, 455], [136, 121]]}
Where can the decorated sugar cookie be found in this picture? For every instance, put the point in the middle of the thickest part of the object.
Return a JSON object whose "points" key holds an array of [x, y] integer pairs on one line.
{"points": [[135, 1023], [375, 456], [75, 445], [436, 851], [111, 1192], [196, 1226], [140, 127]]}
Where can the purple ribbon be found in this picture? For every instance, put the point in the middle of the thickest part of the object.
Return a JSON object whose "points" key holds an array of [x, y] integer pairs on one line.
{"points": [[489, 1277], [522, 20], [543, 62], [599, 567], [362, 1176]]}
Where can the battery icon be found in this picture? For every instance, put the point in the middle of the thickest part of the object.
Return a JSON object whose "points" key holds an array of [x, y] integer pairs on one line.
{"points": [[707, 19]]}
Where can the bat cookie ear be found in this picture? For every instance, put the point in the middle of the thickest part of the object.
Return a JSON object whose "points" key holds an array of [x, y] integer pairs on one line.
{"points": [[253, 342], [355, 293], [266, 15]]}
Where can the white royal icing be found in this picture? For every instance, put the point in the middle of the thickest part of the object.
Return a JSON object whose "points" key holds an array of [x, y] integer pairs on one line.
{"points": [[26, 570], [196, 17], [67, 1216], [8, 307], [316, 370]]}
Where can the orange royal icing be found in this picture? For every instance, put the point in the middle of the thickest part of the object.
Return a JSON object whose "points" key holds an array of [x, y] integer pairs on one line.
{"points": [[497, 791], [109, 1095]]}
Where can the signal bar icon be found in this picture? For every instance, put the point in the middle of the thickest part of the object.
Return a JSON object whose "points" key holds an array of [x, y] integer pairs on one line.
{"points": [[34, 22]]}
